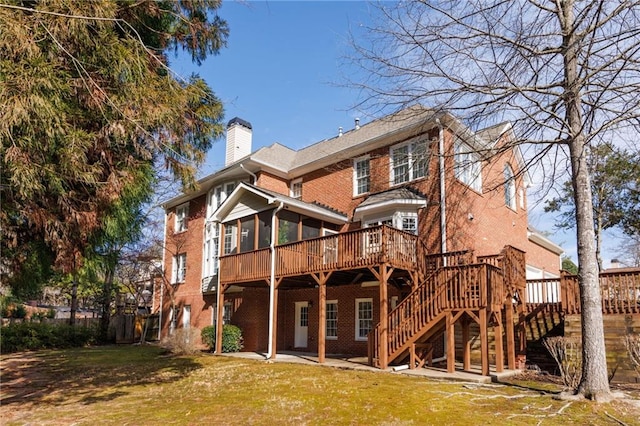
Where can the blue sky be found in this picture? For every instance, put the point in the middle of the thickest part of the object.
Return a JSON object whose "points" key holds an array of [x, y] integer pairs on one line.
{"points": [[282, 71]]}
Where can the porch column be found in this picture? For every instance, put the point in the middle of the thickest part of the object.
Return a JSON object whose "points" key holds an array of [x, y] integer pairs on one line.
{"points": [[384, 313], [451, 343], [219, 315], [274, 325], [322, 321], [484, 342]]}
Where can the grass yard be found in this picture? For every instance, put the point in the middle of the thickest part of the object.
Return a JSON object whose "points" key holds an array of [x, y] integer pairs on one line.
{"points": [[139, 385]]}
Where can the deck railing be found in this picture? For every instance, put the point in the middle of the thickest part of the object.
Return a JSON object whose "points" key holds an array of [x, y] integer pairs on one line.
{"points": [[619, 291], [475, 286], [347, 250]]}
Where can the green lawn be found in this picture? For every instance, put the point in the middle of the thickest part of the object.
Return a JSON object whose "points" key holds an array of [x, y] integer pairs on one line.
{"points": [[139, 385]]}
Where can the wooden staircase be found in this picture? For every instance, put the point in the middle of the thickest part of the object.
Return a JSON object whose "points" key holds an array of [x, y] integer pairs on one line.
{"points": [[422, 314]]}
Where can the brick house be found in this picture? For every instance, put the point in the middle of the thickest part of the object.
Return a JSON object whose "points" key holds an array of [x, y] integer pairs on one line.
{"points": [[326, 249]]}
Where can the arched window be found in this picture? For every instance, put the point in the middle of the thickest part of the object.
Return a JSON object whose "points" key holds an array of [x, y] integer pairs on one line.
{"points": [[509, 187]]}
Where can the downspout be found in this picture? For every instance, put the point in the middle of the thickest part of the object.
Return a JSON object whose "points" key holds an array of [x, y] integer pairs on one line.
{"points": [[161, 307], [443, 198], [272, 282], [255, 178], [443, 207]]}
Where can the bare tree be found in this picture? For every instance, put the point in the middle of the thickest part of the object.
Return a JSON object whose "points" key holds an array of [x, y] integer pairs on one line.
{"points": [[565, 73]]}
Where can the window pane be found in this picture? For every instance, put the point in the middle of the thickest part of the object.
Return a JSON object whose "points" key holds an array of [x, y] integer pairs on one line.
{"points": [[264, 228], [288, 227], [310, 228], [230, 238], [332, 319], [365, 318], [362, 176], [247, 234], [400, 160], [419, 159]]}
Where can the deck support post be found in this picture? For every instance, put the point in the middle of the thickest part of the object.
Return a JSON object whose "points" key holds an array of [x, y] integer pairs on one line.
{"points": [[484, 342], [510, 330], [466, 344], [384, 312], [321, 279], [219, 316], [498, 331], [451, 343], [274, 335]]}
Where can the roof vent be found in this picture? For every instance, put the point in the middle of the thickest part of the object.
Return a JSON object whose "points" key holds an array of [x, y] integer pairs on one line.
{"points": [[339, 131], [357, 123]]}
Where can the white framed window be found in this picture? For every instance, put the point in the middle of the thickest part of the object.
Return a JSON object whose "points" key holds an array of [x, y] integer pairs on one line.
{"points": [[182, 215], [228, 189], [295, 189], [364, 318], [361, 176], [230, 238], [179, 268], [509, 187], [332, 320], [173, 319], [408, 162], [468, 168], [409, 223], [219, 196], [211, 247], [186, 316]]}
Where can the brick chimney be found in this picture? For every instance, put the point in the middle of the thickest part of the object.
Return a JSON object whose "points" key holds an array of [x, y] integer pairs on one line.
{"points": [[238, 140]]}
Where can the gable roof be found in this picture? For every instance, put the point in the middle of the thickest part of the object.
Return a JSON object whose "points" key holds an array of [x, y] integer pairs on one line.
{"points": [[274, 199]]}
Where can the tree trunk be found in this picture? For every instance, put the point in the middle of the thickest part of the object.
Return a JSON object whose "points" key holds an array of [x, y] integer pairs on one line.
{"points": [[594, 383], [105, 315], [74, 297]]}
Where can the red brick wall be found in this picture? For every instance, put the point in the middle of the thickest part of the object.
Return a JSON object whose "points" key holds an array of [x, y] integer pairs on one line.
{"points": [[273, 183], [542, 258]]}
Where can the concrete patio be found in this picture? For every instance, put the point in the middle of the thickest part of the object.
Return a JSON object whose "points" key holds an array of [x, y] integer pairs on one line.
{"points": [[360, 363]]}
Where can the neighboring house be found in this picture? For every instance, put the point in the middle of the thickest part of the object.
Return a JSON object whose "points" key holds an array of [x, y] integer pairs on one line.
{"points": [[307, 250]]}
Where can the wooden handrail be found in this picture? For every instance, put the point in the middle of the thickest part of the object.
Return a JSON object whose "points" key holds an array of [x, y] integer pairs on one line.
{"points": [[475, 286]]}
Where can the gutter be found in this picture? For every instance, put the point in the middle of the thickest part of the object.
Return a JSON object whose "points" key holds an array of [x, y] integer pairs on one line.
{"points": [[255, 178], [272, 282]]}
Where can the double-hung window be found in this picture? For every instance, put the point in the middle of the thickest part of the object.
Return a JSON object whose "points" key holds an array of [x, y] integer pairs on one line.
{"points": [[408, 162], [361, 176], [364, 318], [332, 319], [179, 268], [182, 214], [468, 168], [509, 187]]}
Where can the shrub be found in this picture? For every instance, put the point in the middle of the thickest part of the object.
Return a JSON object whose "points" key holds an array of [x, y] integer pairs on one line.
{"points": [[31, 336], [182, 341], [208, 335], [19, 311], [567, 353], [232, 340], [632, 343]]}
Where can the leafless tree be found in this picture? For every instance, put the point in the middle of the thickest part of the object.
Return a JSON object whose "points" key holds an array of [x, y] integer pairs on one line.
{"points": [[565, 73]]}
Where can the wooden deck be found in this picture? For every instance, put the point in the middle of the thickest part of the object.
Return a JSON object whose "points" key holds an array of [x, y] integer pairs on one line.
{"points": [[348, 250], [619, 291]]}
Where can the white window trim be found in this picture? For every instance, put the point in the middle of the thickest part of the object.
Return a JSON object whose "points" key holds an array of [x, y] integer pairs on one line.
{"points": [[355, 175], [178, 266], [466, 168], [325, 326], [510, 185], [410, 161], [291, 188], [181, 217], [357, 316]]}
